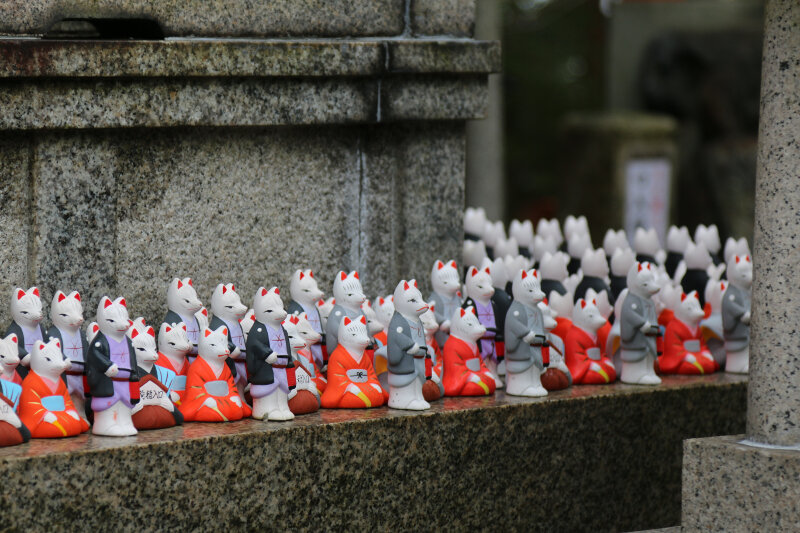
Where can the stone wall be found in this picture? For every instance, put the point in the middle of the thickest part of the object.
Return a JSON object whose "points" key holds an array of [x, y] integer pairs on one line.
{"points": [[126, 163]]}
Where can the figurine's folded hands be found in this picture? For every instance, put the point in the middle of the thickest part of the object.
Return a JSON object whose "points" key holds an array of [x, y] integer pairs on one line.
{"points": [[50, 417], [352, 389], [645, 327], [272, 358], [112, 371], [211, 403], [529, 338], [413, 350], [174, 396], [377, 387], [594, 367], [746, 318], [235, 399], [236, 353]]}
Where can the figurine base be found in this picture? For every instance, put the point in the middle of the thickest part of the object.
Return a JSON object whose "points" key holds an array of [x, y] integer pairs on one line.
{"points": [[408, 397], [639, 372], [738, 362], [116, 421], [526, 383], [274, 407]]}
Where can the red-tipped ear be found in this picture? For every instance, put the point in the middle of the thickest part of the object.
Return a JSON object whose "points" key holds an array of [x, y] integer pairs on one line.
{"points": [[473, 271], [463, 312], [439, 265], [225, 331], [40, 345], [36, 291], [302, 275], [722, 286], [333, 301], [310, 274], [20, 294], [380, 301], [453, 264], [233, 287], [649, 266], [106, 303], [204, 311], [321, 302], [134, 334], [594, 302], [583, 303], [167, 329], [122, 303], [295, 319], [524, 274], [535, 273], [343, 276], [415, 284], [180, 284], [277, 290], [78, 296], [224, 289], [545, 301], [355, 275], [487, 270], [14, 338], [639, 267], [130, 322], [747, 258], [96, 328], [61, 297], [184, 328], [406, 286], [207, 332], [151, 331], [190, 282], [347, 321], [737, 258], [474, 311], [696, 297], [263, 292], [363, 320], [58, 344], [683, 296]]}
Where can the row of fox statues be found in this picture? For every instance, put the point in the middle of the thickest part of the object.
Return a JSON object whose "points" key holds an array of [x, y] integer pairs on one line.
{"points": [[530, 320]]}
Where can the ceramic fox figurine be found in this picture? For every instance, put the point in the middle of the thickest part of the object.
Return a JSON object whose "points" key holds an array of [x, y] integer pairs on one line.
{"points": [[12, 430], [595, 272], [621, 262], [270, 366], [446, 295], [685, 351], [525, 336], [522, 232], [303, 354], [155, 409], [111, 371], [305, 398], [182, 304], [45, 406], [736, 315], [305, 294], [639, 327], [211, 394], [26, 324], [695, 275], [479, 295], [432, 389], [584, 351], [384, 311], [677, 241], [9, 360], [646, 245], [349, 296], [577, 245], [553, 271], [352, 382], [173, 346], [464, 372], [407, 350], [557, 375], [66, 312], [228, 310]]}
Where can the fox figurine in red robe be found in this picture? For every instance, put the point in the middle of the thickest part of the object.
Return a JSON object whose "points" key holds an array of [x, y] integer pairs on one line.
{"points": [[464, 372], [685, 351], [585, 358], [211, 394]]}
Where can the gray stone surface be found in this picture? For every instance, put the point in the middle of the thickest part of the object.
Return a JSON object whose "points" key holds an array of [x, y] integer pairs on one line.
{"points": [[219, 18], [443, 17], [732, 487], [589, 458], [434, 98], [15, 215], [122, 213], [26, 58], [773, 414]]}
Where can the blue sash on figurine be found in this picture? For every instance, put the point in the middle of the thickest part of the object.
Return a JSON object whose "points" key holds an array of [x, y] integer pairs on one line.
{"points": [[12, 391], [166, 376]]}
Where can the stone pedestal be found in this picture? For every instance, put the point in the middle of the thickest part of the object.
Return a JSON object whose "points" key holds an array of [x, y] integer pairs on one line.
{"points": [[257, 138], [754, 483]]}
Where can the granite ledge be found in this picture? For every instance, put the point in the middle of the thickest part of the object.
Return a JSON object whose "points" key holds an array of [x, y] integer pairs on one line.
{"points": [[35, 58], [379, 469]]}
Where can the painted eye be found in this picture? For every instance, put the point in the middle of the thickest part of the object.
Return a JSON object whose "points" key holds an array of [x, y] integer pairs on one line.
{"points": [[269, 310], [349, 293], [64, 315], [48, 359], [111, 320], [171, 343], [306, 290], [24, 312], [186, 300], [229, 307], [140, 349]]}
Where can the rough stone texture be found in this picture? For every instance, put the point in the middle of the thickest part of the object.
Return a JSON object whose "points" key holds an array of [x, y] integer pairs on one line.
{"points": [[434, 98], [412, 200], [218, 18], [728, 486], [773, 414], [122, 213], [225, 57], [15, 214], [443, 17], [584, 459]]}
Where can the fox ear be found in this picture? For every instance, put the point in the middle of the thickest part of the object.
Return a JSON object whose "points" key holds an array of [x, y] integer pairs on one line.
{"points": [[61, 296], [224, 289], [355, 274], [747, 258], [184, 327], [14, 338], [106, 302], [639, 266], [683, 296], [583, 303], [524, 274], [406, 286], [463, 312], [263, 291], [78, 296], [207, 332], [57, 343], [453, 264], [347, 321], [36, 291], [487, 270], [473, 271], [363, 320], [189, 281], [310, 274], [151, 331], [21, 293], [225, 331], [380, 301], [343, 276], [439, 265], [535, 273], [302, 275], [233, 287], [277, 290], [134, 334], [204, 312], [180, 284], [122, 303], [40, 345], [415, 284], [167, 329]]}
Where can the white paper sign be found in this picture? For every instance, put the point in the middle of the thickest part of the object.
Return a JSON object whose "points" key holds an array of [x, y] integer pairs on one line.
{"points": [[647, 187]]}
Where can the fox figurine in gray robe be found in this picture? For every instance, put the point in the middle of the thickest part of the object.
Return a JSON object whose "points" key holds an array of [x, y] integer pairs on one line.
{"points": [[639, 327], [736, 315], [525, 336], [407, 349]]}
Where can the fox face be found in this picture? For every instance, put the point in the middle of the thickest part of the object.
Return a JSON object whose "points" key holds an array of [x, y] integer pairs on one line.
{"points": [[408, 300], [473, 252], [173, 340], [26, 307], [112, 316], [296, 340], [347, 290], [554, 266], [543, 246], [614, 240], [642, 280], [474, 220], [66, 311], [373, 325], [594, 263], [478, 282], [527, 288], [709, 236], [268, 307], [735, 247], [465, 325], [212, 345], [143, 339], [384, 309], [306, 330], [353, 334], [182, 298], [445, 278], [48, 361], [646, 241], [303, 287], [587, 316], [688, 310], [226, 303], [9, 354], [550, 229], [575, 226], [697, 256], [622, 261], [522, 232], [740, 272], [578, 244], [678, 239]]}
